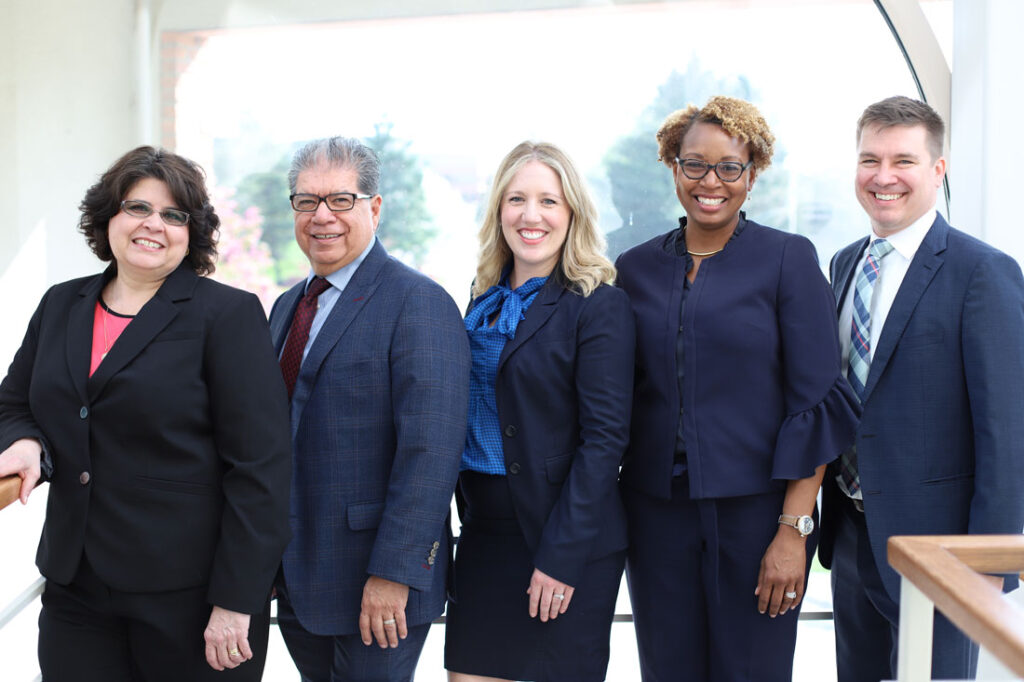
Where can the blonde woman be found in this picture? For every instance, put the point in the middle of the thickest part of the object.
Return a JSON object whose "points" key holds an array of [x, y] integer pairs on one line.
{"points": [[543, 538]]}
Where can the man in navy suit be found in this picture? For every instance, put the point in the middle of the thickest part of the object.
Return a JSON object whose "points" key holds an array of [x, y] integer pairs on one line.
{"points": [[932, 322], [379, 392]]}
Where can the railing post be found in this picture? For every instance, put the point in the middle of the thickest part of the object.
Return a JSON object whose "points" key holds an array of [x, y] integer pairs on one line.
{"points": [[915, 639]]}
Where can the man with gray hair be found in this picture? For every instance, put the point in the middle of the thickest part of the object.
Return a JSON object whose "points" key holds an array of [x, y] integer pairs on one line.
{"points": [[376, 362]]}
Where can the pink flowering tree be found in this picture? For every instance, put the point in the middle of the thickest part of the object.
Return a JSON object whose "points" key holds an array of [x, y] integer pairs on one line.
{"points": [[244, 260]]}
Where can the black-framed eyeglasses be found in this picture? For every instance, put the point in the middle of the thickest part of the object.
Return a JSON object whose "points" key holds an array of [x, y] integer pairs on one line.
{"points": [[338, 201], [143, 209], [727, 171]]}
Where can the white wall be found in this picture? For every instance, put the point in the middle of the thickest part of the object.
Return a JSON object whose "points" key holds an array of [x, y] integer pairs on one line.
{"points": [[67, 103], [988, 69]]}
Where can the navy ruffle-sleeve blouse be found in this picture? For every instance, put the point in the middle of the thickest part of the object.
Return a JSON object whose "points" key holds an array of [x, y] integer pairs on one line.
{"points": [[764, 400]]}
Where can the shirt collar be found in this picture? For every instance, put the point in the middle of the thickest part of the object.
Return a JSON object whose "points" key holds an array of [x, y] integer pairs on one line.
{"points": [[340, 277], [907, 241]]}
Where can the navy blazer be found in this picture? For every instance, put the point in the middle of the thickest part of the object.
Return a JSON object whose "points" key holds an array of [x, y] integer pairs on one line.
{"points": [[171, 462], [940, 448], [563, 391], [765, 400], [377, 446]]}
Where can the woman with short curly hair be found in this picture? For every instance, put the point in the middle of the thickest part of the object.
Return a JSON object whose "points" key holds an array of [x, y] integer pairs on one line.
{"points": [[739, 405]]}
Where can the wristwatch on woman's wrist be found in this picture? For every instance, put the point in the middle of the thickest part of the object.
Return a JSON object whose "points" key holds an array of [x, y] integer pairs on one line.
{"points": [[803, 524]]}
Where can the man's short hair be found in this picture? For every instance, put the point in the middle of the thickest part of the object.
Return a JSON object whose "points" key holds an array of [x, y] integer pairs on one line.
{"points": [[904, 111], [338, 152]]}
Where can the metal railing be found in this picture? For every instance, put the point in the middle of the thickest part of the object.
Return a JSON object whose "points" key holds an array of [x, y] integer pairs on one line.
{"points": [[10, 486], [945, 572]]}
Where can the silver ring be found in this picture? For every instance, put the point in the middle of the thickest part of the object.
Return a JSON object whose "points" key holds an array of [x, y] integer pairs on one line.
{"points": [[790, 595], [389, 621], [558, 596]]}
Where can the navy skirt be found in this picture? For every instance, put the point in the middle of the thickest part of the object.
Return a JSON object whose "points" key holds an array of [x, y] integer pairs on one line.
{"points": [[489, 630]]}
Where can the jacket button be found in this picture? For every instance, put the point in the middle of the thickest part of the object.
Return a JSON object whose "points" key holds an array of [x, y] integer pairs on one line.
{"points": [[513, 468], [84, 412], [510, 430], [84, 477]]}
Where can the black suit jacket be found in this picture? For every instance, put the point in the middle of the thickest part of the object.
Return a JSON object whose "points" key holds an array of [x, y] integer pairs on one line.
{"points": [[171, 463], [564, 391]]}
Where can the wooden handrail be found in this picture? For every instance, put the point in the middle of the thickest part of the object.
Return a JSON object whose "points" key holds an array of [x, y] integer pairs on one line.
{"points": [[948, 568], [9, 488]]}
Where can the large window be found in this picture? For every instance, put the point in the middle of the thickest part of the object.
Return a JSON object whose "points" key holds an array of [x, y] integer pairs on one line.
{"points": [[446, 97]]}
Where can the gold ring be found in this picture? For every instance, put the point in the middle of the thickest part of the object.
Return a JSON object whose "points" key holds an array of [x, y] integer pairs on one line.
{"points": [[234, 652]]}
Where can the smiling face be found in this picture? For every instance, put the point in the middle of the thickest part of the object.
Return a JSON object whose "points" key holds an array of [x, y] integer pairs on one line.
{"points": [[711, 204], [332, 240], [897, 178], [147, 249], [535, 219]]}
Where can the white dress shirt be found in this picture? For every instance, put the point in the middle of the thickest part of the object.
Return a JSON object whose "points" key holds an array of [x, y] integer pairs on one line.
{"points": [[891, 271]]}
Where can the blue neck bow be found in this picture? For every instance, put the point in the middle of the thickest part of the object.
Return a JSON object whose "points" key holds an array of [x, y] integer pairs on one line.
{"points": [[512, 302]]}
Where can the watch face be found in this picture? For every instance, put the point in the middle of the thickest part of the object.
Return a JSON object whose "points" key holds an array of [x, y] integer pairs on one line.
{"points": [[805, 524]]}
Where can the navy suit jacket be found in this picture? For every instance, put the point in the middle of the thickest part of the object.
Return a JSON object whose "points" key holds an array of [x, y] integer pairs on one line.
{"points": [[940, 447], [377, 446], [170, 462], [563, 391]]}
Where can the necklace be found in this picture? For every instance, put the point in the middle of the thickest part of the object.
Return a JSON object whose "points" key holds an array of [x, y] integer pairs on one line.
{"points": [[703, 253], [106, 345]]}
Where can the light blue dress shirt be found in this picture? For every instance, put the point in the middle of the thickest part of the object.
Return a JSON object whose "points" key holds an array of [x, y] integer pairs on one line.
{"points": [[338, 279]]}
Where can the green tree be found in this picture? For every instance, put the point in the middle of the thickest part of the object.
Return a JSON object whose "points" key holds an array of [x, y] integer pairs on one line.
{"points": [[642, 190], [406, 226], [268, 192]]}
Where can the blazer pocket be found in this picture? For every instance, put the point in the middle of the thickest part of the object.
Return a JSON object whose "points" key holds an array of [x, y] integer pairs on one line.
{"points": [[365, 515], [557, 468], [952, 478], [167, 485], [178, 336], [929, 338]]}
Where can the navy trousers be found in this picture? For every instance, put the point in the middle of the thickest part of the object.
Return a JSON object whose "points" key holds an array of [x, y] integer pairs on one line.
{"points": [[344, 658], [692, 568], [867, 618]]}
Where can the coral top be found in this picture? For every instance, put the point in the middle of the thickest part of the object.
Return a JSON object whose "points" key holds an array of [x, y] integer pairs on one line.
{"points": [[106, 327]]}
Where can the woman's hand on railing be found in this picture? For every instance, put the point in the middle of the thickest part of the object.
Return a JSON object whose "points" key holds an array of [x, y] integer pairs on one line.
{"points": [[21, 459]]}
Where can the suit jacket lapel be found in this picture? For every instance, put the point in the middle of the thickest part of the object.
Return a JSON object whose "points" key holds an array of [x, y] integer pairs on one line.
{"points": [[923, 268], [281, 316], [357, 293], [843, 275], [536, 315], [81, 317], [150, 321]]}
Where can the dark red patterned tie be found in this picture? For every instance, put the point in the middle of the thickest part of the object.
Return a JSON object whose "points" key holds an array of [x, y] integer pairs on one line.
{"points": [[291, 358]]}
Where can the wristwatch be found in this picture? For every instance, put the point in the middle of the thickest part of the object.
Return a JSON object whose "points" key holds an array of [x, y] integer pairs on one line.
{"points": [[803, 524]]}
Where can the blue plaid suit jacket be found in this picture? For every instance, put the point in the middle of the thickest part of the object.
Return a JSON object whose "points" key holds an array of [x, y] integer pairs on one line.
{"points": [[377, 447]]}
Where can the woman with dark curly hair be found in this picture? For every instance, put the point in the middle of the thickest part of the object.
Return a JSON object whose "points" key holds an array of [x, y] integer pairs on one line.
{"points": [[739, 404], [150, 399]]}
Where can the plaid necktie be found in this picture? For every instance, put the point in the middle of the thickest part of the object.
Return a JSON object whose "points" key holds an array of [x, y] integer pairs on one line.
{"points": [[860, 345], [298, 334]]}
